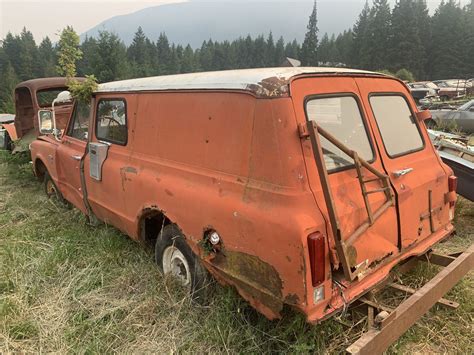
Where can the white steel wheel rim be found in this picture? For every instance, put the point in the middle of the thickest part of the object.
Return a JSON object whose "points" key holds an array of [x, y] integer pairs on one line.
{"points": [[175, 264]]}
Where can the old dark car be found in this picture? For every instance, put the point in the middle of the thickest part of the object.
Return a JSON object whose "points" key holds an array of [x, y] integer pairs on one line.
{"points": [[422, 90], [461, 119], [451, 89]]}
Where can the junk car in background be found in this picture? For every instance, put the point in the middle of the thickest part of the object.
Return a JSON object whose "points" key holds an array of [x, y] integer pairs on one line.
{"points": [[30, 97], [424, 91], [460, 119]]}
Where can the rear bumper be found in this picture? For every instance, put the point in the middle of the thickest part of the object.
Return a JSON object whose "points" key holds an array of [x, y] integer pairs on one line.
{"points": [[341, 298]]}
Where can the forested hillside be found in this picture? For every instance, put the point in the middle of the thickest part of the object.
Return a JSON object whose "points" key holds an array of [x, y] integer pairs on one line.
{"points": [[405, 37]]}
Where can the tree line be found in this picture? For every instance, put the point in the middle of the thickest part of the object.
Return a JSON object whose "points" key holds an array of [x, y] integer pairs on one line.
{"points": [[404, 39]]}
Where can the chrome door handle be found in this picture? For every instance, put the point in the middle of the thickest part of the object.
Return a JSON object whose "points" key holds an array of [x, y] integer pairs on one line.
{"points": [[402, 172], [76, 157]]}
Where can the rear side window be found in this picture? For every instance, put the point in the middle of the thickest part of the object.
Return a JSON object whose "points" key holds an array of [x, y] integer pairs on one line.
{"points": [[111, 124], [341, 117], [396, 124]]}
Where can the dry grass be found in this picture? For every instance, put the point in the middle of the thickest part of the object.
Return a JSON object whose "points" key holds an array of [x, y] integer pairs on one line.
{"points": [[69, 287]]}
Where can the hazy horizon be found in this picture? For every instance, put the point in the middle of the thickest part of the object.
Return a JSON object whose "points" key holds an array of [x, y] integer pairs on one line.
{"points": [[49, 17]]}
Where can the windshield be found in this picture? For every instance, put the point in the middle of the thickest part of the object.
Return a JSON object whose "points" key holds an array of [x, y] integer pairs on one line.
{"points": [[466, 106], [46, 97]]}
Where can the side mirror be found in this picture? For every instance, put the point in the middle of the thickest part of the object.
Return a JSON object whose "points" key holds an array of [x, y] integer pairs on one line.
{"points": [[471, 108], [46, 125], [424, 115]]}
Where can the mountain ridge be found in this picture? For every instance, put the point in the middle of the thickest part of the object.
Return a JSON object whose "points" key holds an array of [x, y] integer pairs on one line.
{"points": [[196, 21]]}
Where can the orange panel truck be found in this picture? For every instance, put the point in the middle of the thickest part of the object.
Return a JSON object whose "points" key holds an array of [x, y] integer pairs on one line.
{"points": [[297, 186]]}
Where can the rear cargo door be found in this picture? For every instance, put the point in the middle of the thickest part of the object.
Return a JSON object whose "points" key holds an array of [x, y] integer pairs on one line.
{"points": [[335, 104], [415, 171]]}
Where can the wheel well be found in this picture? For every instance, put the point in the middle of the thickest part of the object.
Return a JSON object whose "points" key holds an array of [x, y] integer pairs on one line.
{"points": [[151, 224], [40, 169]]}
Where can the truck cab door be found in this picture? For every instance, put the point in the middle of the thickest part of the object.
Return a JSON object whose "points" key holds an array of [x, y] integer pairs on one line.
{"points": [[70, 153]]}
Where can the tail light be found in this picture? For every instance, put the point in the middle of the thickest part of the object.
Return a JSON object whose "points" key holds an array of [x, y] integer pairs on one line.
{"points": [[452, 187], [316, 247], [452, 183]]}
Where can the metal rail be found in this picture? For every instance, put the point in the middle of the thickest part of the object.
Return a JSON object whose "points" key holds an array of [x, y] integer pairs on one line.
{"points": [[344, 244]]}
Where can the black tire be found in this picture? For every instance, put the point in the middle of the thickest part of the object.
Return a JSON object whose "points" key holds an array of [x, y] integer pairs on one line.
{"points": [[51, 189], [170, 240], [8, 144], [431, 124]]}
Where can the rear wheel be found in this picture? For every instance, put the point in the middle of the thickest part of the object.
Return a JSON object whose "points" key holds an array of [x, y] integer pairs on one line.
{"points": [[175, 258]]}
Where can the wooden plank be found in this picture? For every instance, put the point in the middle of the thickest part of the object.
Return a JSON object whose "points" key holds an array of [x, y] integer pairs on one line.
{"points": [[377, 341]]}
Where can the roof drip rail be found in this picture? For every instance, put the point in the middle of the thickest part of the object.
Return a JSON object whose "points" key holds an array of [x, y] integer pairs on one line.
{"points": [[344, 246]]}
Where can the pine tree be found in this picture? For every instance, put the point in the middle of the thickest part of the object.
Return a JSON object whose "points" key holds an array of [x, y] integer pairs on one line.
{"points": [[270, 51], [139, 56], [344, 46], [406, 48], [423, 24], [86, 65], [111, 60], [279, 52], [187, 62], [448, 41], [468, 53], [259, 54], [28, 57], [323, 49], [292, 50], [309, 49], [46, 59], [360, 51], [9, 81], [379, 40], [164, 54]]}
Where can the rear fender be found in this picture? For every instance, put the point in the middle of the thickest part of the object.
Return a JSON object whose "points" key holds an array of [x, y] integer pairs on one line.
{"points": [[10, 128]]}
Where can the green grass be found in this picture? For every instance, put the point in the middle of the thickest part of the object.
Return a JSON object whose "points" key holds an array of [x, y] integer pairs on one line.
{"points": [[68, 287]]}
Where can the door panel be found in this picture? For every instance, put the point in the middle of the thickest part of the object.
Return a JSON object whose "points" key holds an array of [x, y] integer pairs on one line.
{"points": [[380, 239], [68, 159], [417, 176], [106, 196]]}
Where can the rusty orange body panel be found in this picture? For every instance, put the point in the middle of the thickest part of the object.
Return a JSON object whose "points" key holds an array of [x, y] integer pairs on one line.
{"points": [[224, 152]]}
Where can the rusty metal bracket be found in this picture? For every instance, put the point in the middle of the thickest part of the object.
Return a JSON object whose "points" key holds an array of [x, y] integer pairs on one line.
{"points": [[376, 341], [344, 244]]}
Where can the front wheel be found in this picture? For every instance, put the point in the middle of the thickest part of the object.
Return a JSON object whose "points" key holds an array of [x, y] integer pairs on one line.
{"points": [[175, 258], [51, 189]]}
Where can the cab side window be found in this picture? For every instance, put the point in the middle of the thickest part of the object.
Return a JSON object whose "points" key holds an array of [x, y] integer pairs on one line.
{"points": [[80, 121], [111, 123]]}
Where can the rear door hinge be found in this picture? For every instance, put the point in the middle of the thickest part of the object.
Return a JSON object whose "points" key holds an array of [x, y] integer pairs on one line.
{"points": [[303, 130]]}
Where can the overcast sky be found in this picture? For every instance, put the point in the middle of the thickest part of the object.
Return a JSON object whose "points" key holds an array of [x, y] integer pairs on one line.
{"points": [[48, 17]]}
